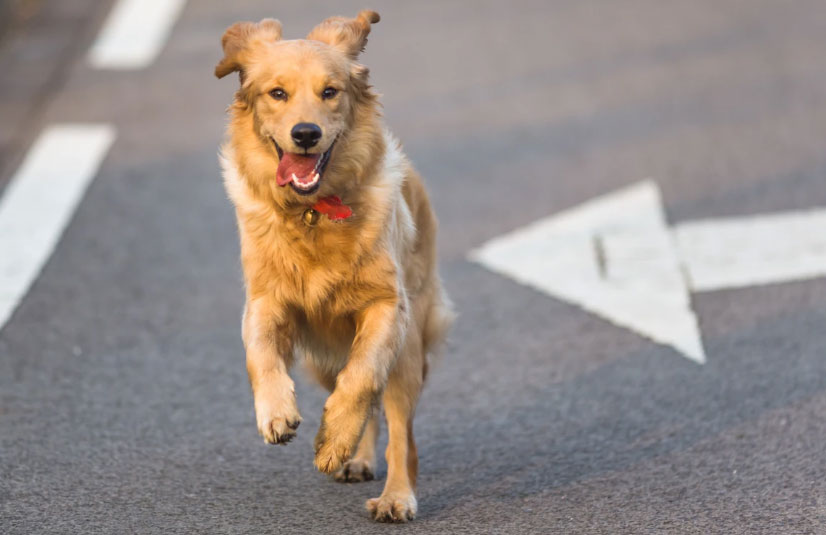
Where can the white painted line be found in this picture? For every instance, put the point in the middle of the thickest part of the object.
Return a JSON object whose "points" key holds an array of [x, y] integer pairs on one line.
{"points": [[40, 200], [612, 256], [615, 257], [747, 251], [134, 33]]}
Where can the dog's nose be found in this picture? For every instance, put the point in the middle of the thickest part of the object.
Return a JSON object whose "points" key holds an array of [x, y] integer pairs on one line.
{"points": [[306, 135]]}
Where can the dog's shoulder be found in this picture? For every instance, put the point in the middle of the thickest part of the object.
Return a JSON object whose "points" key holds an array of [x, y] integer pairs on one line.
{"points": [[390, 208]]}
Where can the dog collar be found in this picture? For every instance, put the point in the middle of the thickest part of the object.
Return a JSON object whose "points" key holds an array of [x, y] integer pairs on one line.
{"points": [[330, 206]]}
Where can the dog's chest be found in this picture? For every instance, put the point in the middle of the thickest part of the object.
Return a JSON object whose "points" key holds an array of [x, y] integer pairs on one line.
{"points": [[324, 278]]}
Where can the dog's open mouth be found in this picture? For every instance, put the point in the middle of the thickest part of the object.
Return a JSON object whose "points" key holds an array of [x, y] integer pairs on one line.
{"points": [[301, 171]]}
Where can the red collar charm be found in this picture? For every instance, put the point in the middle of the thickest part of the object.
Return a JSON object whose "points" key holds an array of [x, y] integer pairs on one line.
{"points": [[330, 206], [333, 208]]}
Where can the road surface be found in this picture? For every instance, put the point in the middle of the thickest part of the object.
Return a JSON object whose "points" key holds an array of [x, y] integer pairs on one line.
{"points": [[124, 403]]}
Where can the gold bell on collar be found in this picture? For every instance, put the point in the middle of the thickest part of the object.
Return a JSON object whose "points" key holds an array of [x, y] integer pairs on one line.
{"points": [[310, 217]]}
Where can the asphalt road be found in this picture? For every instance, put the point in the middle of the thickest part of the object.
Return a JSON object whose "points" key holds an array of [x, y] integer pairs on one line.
{"points": [[124, 403]]}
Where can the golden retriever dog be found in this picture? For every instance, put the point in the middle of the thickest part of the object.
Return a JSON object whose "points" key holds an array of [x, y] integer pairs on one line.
{"points": [[337, 248]]}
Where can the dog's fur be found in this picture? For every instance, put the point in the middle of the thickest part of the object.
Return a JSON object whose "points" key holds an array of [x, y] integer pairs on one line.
{"points": [[360, 299]]}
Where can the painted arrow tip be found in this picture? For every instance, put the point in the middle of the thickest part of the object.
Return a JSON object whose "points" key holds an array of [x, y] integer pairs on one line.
{"points": [[612, 256]]}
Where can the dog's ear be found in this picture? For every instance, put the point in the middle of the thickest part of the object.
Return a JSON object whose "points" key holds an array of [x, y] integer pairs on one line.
{"points": [[236, 42], [348, 35]]}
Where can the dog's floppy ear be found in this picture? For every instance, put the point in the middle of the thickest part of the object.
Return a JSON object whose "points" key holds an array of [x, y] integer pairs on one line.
{"points": [[236, 41], [348, 35]]}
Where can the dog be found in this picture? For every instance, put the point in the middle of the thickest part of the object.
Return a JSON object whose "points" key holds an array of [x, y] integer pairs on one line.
{"points": [[338, 250]]}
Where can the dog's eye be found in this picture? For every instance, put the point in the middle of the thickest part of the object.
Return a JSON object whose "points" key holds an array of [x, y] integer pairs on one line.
{"points": [[329, 92], [278, 94]]}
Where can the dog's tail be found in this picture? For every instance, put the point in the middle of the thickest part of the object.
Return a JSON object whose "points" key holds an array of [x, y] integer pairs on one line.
{"points": [[440, 317]]}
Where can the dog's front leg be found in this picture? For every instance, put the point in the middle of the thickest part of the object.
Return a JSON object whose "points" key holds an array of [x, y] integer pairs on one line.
{"points": [[380, 330], [268, 338]]}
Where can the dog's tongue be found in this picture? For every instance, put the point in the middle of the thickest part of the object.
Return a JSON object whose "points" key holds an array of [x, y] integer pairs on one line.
{"points": [[300, 165]]}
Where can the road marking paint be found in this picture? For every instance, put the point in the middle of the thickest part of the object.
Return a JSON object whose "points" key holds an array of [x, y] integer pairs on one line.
{"points": [[40, 200], [615, 257], [764, 249], [134, 33], [640, 286]]}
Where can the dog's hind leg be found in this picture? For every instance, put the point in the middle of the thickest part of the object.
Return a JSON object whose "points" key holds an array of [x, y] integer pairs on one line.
{"points": [[397, 502], [363, 464]]}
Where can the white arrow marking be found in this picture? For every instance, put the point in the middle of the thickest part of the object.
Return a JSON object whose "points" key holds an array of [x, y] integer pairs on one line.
{"points": [[765, 249], [40, 200], [614, 256], [134, 33]]}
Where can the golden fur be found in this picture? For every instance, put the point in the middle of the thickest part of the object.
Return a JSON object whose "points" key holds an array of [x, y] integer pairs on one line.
{"points": [[360, 299]]}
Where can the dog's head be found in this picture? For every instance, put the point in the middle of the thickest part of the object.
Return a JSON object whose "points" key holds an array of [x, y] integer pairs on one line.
{"points": [[303, 95]]}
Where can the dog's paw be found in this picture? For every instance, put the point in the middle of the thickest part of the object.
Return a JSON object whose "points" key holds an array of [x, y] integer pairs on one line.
{"points": [[341, 426], [278, 430], [354, 471], [392, 507], [277, 422], [330, 451]]}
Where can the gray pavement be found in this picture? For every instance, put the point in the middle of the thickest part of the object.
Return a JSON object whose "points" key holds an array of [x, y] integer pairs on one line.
{"points": [[124, 404]]}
